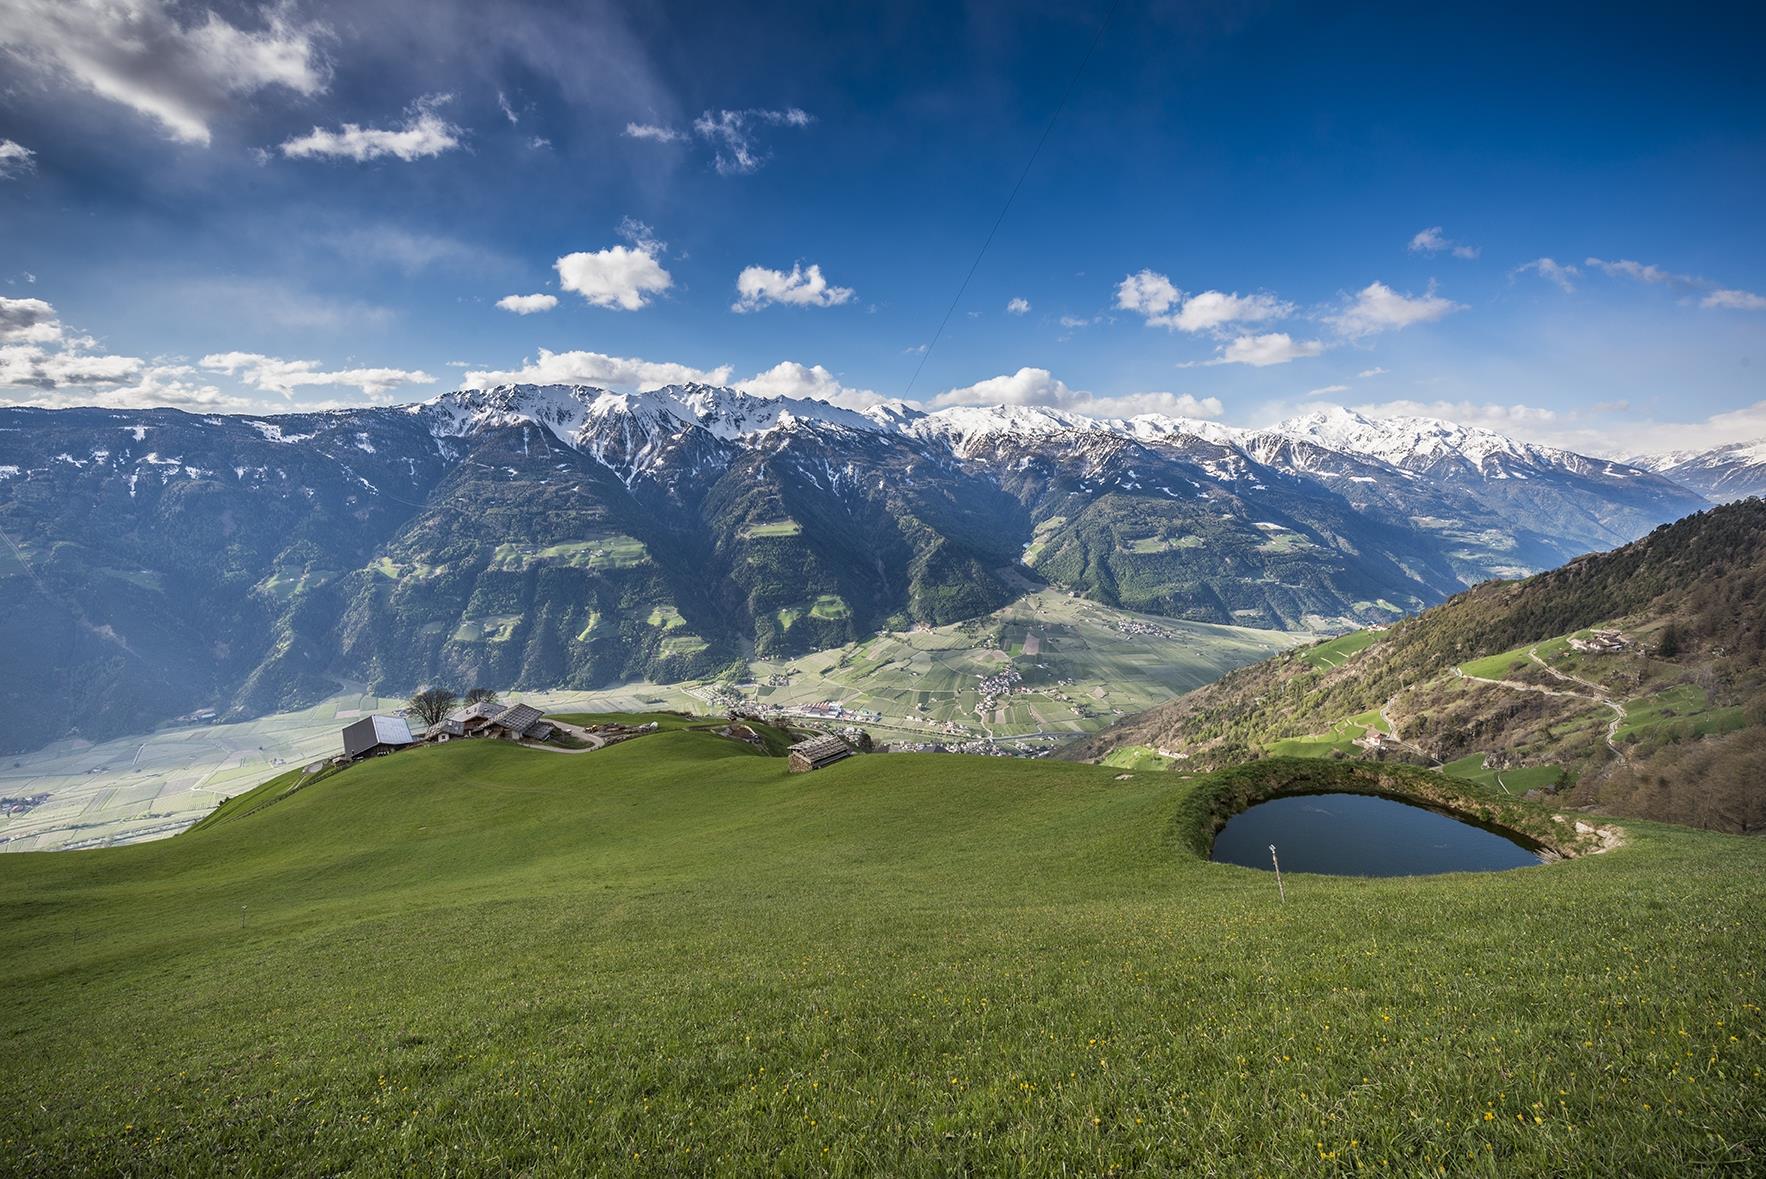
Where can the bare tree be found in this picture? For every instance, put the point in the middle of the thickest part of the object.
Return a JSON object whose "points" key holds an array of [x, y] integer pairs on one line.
{"points": [[478, 694], [432, 705]]}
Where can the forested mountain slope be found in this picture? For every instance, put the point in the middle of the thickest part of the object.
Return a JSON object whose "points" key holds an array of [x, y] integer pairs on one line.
{"points": [[1634, 679]]}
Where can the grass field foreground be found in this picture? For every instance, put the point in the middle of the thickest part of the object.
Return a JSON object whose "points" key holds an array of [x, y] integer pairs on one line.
{"points": [[672, 957]]}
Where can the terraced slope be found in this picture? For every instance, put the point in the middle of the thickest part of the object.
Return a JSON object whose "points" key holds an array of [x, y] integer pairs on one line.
{"points": [[672, 957]]}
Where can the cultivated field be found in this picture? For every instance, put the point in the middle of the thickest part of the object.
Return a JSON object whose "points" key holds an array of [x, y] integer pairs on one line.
{"points": [[1081, 663], [1080, 666]]}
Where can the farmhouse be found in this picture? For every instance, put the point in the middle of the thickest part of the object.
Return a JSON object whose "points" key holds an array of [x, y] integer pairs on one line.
{"points": [[518, 721], [475, 718], [375, 735], [444, 730], [1600, 642], [816, 753]]}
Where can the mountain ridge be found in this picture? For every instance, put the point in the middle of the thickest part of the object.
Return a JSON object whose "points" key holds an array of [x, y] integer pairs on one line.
{"points": [[569, 536]]}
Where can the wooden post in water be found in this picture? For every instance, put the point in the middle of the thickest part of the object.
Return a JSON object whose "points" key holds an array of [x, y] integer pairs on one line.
{"points": [[1278, 874]]}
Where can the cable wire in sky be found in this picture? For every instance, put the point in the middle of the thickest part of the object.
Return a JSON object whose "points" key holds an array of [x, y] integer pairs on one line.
{"points": [[1013, 195]]}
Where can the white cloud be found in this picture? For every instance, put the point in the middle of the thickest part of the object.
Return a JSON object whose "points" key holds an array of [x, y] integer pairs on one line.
{"points": [[757, 286], [1038, 386], [1155, 297], [731, 134], [28, 321], [1551, 271], [619, 276], [598, 369], [424, 133], [1376, 371], [1264, 350], [654, 132], [527, 304], [1715, 298], [275, 375], [1018, 306], [1433, 241], [1377, 308], [1639, 272], [32, 376], [1734, 300], [15, 159], [790, 379], [139, 54], [1327, 391], [508, 111]]}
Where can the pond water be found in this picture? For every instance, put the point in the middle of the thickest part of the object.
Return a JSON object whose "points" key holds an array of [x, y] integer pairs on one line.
{"points": [[1363, 835]]}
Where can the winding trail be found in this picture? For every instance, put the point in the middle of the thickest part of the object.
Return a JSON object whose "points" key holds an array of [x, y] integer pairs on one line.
{"points": [[1596, 693], [581, 734]]}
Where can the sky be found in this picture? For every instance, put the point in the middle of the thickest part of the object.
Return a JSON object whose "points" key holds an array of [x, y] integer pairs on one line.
{"points": [[1511, 216]]}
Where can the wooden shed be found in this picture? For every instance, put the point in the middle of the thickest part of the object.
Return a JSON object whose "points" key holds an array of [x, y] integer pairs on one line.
{"points": [[816, 753]]}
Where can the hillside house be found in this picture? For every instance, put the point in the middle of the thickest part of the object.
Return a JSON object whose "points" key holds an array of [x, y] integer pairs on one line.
{"points": [[474, 719], [519, 721], [444, 730], [817, 753], [1600, 642], [373, 735]]}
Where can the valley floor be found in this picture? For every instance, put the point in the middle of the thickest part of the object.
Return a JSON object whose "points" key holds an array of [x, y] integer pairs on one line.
{"points": [[673, 957], [1081, 666]]}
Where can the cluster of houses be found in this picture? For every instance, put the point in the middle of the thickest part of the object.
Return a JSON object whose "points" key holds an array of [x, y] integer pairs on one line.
{"points": [[1600, 642], [374, 735]]}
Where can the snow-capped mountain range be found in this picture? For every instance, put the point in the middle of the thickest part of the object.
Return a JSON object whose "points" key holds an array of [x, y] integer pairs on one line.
{"points": [[1723, 473], [562, 535], [584, 417]]}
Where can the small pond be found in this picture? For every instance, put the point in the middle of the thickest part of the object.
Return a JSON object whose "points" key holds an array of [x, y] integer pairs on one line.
{"points": [[1364, 835]]}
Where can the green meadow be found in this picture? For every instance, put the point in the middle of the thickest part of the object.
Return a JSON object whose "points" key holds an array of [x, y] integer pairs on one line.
{"points": [[672, 957]]}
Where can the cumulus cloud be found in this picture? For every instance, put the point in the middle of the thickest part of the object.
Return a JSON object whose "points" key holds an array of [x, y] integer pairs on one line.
{"points": [[424, 133], [1551, 271], [1018, 306], [527, 304], [1038, 386], [32, 376], [598, 369], [1156, 298], [1433, 241], [15, 159], [28, 321], [140, 54], [1378, 308], [790, 379], [1260, 351], [757, 286], [1376, 371], [275, 375], [619, 276], [655, 133]]}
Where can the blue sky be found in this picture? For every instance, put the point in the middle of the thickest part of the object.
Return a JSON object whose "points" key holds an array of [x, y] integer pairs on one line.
{"points": [[1244, 211]]}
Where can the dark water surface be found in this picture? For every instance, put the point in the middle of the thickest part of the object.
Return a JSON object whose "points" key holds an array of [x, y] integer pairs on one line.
{"points": [[1363, 835]]}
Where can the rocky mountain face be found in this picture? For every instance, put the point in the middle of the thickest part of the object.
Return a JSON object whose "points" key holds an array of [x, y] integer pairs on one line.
{"points": [[1721, 474], [154, 562]]}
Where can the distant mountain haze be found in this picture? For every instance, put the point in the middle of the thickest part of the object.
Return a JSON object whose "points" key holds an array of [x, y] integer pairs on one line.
{"points": [[156, 561]]}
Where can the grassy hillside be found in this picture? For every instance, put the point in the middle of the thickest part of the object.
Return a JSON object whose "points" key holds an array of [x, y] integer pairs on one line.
{"points": [[673, 957], [1496, 685]]}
